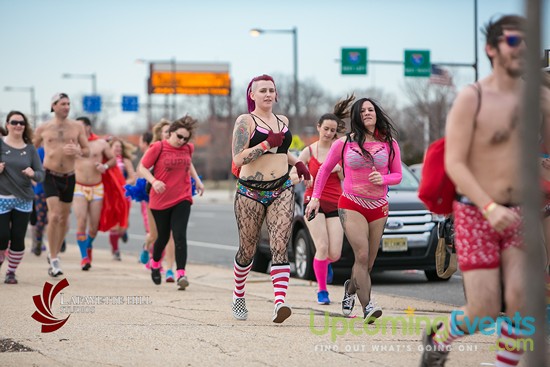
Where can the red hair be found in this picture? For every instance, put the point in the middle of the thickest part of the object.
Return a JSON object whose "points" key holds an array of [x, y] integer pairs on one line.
{"points": [[250, 102]]}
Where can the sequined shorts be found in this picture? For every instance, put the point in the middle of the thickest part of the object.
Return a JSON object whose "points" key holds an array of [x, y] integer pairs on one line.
{"points": [[264, 192]]}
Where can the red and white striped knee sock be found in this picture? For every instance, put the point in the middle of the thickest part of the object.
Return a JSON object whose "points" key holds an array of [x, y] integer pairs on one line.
{"points": [[240, 273], [280, 275], [447, 333], [510, 346], [14, 258]]}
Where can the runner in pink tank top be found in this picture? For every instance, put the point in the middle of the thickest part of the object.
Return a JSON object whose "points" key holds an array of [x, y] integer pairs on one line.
{"points": [[372, 161]]}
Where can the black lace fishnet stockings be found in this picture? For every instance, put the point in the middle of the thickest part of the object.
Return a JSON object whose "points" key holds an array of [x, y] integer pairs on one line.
{"points": [[250, 216]]}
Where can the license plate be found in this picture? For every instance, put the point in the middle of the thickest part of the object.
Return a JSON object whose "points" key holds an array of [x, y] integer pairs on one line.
{"points": [[398, 244]]}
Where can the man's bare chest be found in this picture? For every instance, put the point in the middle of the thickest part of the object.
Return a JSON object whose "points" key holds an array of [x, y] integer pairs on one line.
{"points": [[60, 135], [498, 123]]}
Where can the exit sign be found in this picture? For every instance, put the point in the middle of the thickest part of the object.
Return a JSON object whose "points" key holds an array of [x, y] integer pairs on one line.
{"points": [[354, 61], [417, 63]]}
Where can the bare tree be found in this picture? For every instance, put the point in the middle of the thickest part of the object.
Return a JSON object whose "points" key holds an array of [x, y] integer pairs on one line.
{"points": [[429, 103]]}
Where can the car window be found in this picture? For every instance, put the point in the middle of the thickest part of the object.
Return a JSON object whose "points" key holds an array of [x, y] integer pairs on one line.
{"points": [[409, 182]]}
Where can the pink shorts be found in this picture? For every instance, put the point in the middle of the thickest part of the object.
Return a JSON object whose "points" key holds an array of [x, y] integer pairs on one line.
{"points": [[478, 245]]}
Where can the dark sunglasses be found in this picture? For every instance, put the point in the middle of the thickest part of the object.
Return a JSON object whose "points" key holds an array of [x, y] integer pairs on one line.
{"points": [[17, 122], [181, 137], [514, 41]]}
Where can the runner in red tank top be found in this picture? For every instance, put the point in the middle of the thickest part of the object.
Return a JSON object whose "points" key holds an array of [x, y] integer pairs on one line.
{"points": [[325, 229]]}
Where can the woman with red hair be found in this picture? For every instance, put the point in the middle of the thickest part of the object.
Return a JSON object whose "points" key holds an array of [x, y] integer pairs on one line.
{"points": [[264, 191]]}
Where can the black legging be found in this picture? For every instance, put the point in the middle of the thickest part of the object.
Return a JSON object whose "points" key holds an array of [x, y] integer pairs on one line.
{"points": [[172, 219], [13, 227]]}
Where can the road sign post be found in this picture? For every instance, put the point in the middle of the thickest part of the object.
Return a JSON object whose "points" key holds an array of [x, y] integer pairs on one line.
{"points": [[417, 63], [354, 61], [91, 104], [130, 103]]}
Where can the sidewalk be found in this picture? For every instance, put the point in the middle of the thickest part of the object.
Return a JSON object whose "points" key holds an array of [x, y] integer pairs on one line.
{"points": [[166, 327]]}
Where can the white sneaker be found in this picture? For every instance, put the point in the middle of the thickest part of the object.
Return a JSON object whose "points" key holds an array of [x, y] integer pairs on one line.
{"points": [[281, 313], [54, 269], [54, 272], [372, 312], [183, 283]]}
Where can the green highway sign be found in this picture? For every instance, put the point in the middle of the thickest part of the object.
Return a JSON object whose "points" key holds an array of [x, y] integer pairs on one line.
{"points": [[354, 61], [417, 63]]}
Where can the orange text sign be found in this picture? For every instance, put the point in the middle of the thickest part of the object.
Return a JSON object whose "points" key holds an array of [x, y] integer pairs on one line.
{"points": [[189, 82]]}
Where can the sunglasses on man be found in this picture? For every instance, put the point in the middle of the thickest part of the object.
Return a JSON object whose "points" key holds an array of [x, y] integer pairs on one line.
{"points": [[17, 122], [513, 40]]}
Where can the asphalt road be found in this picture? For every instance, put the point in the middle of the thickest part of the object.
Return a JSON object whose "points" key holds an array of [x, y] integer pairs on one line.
{"points": [[212, 239]]}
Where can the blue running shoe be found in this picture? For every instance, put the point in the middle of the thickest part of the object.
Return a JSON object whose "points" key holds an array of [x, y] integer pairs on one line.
{"points": [[170, 276], [144, 257], [330, 274], [322, 298]]}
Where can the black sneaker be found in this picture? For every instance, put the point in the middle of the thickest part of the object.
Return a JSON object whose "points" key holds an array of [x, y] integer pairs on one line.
{"points": [[432, 355], [37, 248], [116, 256], [349, 300], [10, 278], [155, 275], [64, 246]]}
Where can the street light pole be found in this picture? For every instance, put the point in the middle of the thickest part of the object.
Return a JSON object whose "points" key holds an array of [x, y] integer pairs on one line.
{"points": [[255, 32], [33, 99], [94, 84], [91, 76], [173, 67], [296, 101], [475, 43]]}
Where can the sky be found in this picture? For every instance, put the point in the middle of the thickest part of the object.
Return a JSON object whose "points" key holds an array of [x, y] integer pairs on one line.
{"points": [[43, 39]]}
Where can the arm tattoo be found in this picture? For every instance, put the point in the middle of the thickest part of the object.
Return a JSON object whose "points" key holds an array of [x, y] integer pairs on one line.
{"points": [[240, 138], [253, 155]]}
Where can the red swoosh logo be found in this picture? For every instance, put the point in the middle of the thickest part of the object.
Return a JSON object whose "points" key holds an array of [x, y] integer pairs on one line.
{"points": [[43, 305]]}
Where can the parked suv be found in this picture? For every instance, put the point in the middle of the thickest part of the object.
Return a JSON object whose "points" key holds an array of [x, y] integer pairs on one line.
{"points": [[409, 240]]}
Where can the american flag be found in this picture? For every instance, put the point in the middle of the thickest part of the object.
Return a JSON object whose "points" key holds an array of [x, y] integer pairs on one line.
{"points": [[440, 76]]}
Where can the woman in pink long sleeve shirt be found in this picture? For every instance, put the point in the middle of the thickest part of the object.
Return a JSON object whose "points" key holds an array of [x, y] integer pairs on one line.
{"points": [[372, 162]]}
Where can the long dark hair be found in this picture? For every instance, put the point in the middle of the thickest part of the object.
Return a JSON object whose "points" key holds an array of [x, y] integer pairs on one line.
{"points": [[27, 134], [340, 112], [383, 130]]}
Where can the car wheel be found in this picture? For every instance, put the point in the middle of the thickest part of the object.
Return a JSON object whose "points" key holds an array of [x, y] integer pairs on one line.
{"points": [[260, 263], [433, 277], [303, 255]]}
